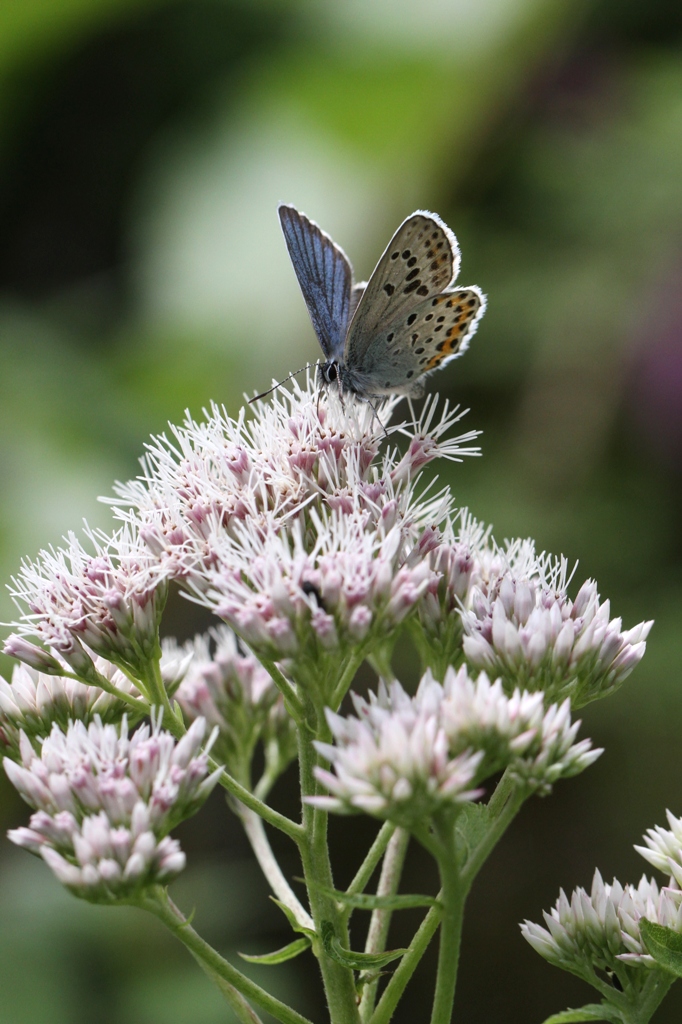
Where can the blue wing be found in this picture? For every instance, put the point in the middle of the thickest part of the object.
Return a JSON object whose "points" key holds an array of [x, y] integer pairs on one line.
{"points": [[325, 276]]}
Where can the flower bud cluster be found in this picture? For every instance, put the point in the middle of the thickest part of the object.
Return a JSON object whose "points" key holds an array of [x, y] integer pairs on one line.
{"points": [[664, 848], [295, 453], [105, 801], [108, 601], [233, 692], [516, 732], [337, 586], [525, 629], [405, 757], [34, 700], [598, 933], [460, 560]]}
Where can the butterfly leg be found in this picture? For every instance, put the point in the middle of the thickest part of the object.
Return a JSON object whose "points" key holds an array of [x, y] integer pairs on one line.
{"points": [[340, 390], [376, 417], [411, 408]]}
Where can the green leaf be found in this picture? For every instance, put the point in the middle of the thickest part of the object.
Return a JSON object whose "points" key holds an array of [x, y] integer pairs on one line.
{"points": [[369, 901], [664, 945], [291, 918], [356, 961], [592, 1011], [473, 823], [280, 956]]}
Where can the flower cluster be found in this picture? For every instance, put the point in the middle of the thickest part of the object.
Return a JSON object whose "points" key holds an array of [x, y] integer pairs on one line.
{"points": [[232, 691], [664, 848], [105, 801], [335, 586], [459, 558], [598, 933], [108, 600], [293, 454], [34, 700], [37, 697], [522, 626], [405, 757], [289, 525]]}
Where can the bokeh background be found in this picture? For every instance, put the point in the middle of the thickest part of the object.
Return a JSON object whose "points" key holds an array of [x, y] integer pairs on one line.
{"points": [[144, 145]]}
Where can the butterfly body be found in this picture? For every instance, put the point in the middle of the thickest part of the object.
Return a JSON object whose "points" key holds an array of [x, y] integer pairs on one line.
{"points": [[383, 337]]}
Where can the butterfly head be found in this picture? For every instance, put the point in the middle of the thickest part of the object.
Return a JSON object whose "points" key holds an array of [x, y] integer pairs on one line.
{"points": [[328, 372]]}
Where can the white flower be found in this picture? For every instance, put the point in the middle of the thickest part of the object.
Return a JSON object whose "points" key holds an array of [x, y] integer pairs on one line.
{"points": [[33, 701], [597, 934], [108, 599], [460, 557], [232, 691], [333, 586], [297, 456], [404, 757], [522, 626], [664, 848], [554, 755], [105, 802], [97, 860], [393, 760]]}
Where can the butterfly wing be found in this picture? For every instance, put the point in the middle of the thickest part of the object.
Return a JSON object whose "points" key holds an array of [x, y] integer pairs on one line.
{"points": [[434, 332], [325, 276], [411, 318], [420, 261], [355, 296]]}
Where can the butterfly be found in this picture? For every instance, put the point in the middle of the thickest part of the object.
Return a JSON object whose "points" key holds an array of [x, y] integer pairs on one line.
{"points": [[384, 336]]}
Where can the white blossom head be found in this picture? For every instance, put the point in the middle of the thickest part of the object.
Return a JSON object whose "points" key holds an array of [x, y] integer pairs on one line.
{"points": [[522, 626], [33, 701], [515, 732], [225, 684], [405, 757], [294, 452], [664, 848], [394, 765], [106, 598], [315, 593], [597, 936], [105, 801], [459, 556]]}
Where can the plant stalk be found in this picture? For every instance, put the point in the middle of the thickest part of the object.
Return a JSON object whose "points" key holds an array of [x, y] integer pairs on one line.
{"points": [[338, 981], [452, 898], [255, 831], [380, 921], [160, 904]]}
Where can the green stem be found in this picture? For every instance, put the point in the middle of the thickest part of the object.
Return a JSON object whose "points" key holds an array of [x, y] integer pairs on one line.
{"points": [[267, 813], [366, 869], [655, 989], [452, 898], [406, 968], [241, 1009], [349, 669], [175, 725], [140, 706], [292, 701], [158, 694], [380, 660], [159, 904], [503, 790], [338, 980], [505, 805], [380, 921]]}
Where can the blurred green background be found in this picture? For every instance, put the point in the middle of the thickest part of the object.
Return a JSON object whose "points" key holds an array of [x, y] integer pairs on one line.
{"points": [[144, 145]]}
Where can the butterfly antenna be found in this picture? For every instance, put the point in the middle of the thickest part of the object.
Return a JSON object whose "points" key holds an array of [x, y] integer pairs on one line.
{"points": [[274, 387]]}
